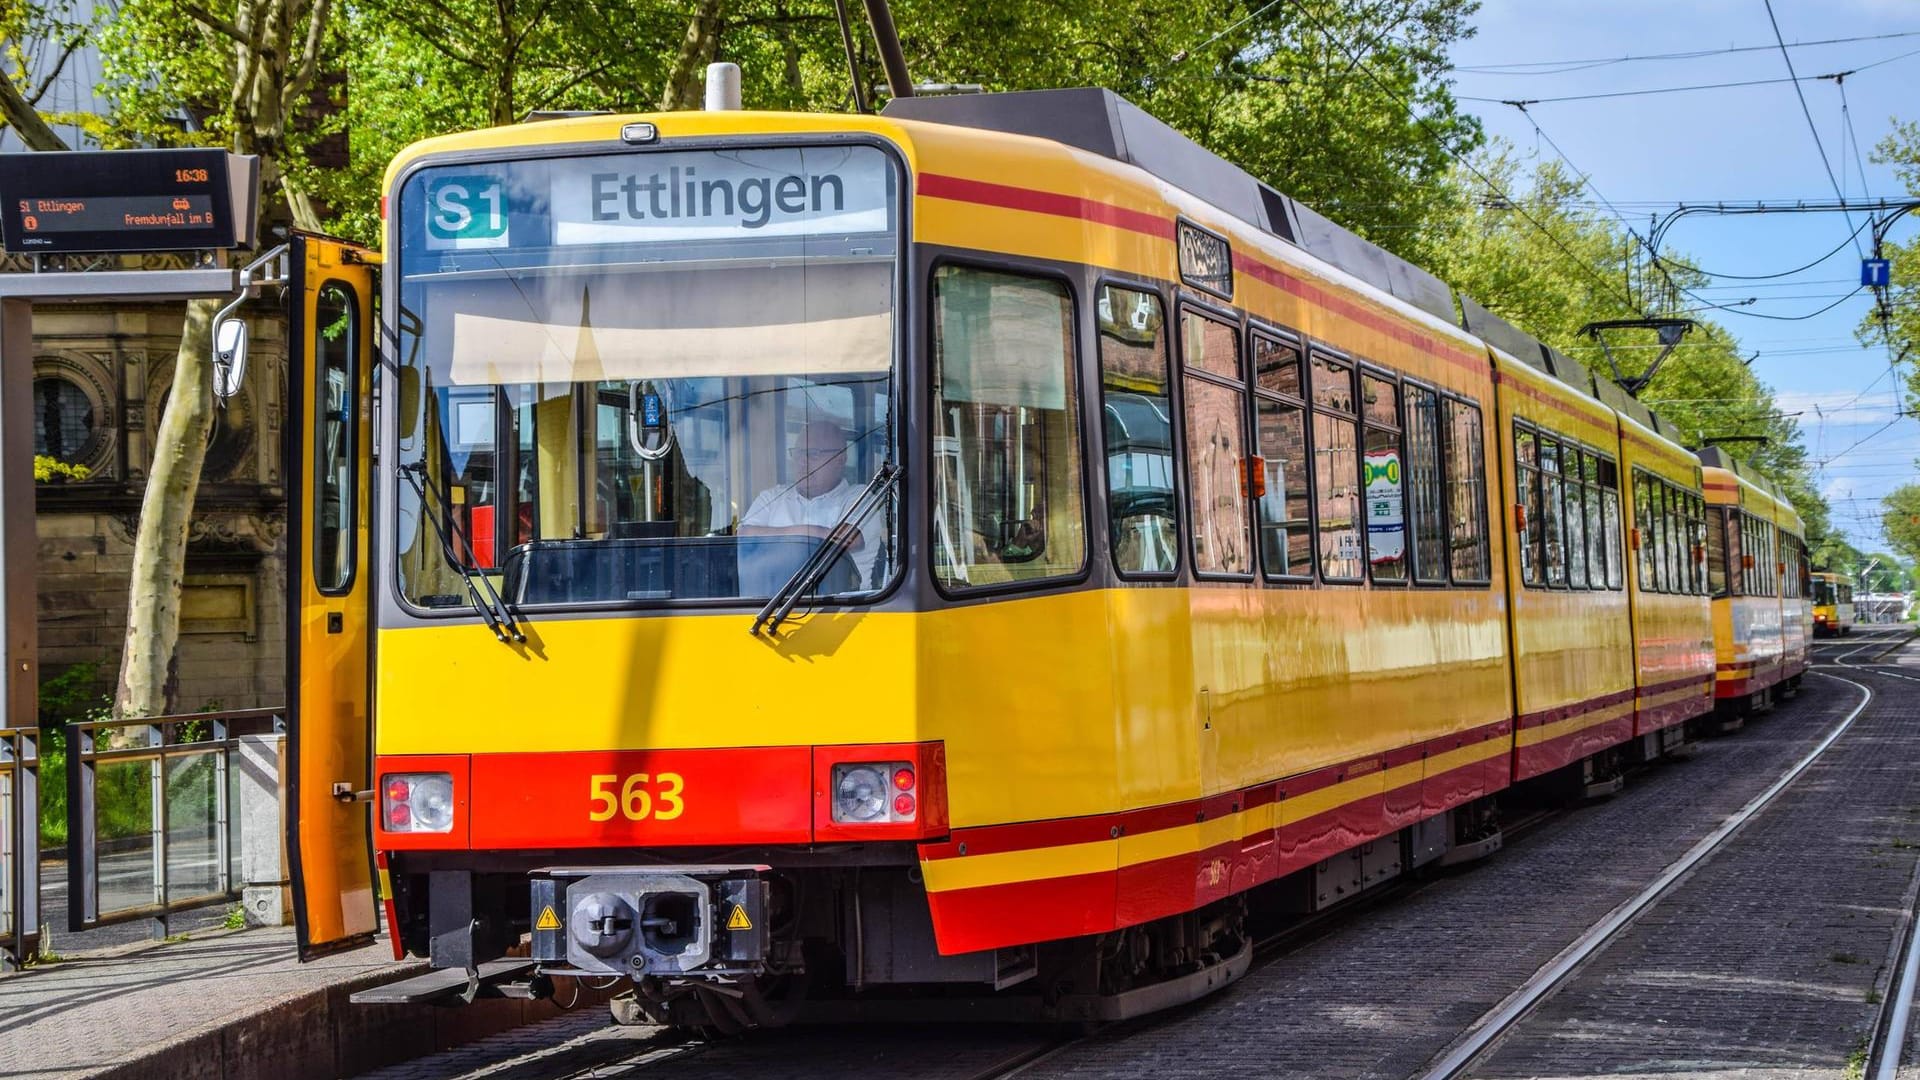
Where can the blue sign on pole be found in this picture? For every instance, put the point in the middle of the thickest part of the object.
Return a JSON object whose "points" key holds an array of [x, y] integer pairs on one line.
{"points": [[1876, 273]]}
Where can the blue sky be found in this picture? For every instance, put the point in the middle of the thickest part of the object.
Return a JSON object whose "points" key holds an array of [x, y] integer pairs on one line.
{"points": [[1740, 143]]}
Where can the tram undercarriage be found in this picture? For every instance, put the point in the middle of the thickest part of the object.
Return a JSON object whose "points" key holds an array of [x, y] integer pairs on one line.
{"points": [[728, 941]]}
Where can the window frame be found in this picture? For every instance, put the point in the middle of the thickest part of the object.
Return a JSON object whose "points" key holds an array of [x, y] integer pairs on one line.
{"points": [[1314, 409], [1479, 469], [317, 387], [1076, 362], [1440, 444], [1279, 335], [1363, 369], [1176, 430], [1235, 321]]}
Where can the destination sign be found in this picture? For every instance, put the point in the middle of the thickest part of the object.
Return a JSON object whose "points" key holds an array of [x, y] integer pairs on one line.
{"points": [[661, 196], [127, 201]]}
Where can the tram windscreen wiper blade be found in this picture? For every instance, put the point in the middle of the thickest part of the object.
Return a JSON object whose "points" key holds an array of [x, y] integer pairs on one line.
{"points": [[838, 543], [480, 591]]}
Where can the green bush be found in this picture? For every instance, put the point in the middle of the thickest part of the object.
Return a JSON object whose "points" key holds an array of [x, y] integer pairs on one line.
{"points": [[72, 694]]}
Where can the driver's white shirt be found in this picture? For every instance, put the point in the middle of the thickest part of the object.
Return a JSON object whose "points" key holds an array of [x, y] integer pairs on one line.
{"points": [[783, 507]]}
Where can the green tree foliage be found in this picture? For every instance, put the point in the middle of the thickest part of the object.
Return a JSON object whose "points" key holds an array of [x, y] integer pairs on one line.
{"points": [[1901, 520], [1526, 249], [1310, 95], [1900, 332], [48, 33]]}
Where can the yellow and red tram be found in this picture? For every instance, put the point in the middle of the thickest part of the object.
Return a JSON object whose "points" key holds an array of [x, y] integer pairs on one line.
{"points": [[1761, 581], [1833, 610], [1152, 540]]}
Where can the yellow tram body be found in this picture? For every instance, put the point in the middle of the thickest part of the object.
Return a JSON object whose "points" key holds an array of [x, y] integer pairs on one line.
{"points": [[1833, 610], [1762, 607], [1099, 750]]}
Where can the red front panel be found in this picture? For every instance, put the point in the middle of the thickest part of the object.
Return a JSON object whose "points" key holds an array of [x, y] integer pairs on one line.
{"points": [[642, 798]]}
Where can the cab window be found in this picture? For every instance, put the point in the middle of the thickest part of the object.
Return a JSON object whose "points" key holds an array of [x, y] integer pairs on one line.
{"points": [[1006, 434]]}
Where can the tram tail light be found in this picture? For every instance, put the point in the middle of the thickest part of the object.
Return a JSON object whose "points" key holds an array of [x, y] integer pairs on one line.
{"points": [[416, 802], [880, 792]]}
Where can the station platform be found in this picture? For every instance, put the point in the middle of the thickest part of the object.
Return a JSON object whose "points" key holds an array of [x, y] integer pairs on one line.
{"points": [[225, 1005]]}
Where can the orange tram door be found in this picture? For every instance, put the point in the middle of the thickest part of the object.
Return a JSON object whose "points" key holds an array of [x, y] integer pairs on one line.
{"points": [[329, 454]]}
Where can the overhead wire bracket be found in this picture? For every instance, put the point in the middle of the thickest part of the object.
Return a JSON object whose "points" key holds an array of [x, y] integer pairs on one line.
{"points": [[1669, 332]]}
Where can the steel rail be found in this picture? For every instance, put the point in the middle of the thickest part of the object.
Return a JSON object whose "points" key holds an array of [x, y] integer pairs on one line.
{"points": [[1487, 1030], [1889, 1033]]}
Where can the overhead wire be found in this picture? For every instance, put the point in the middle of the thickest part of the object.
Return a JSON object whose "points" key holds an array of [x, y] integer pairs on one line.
{"points": [[1563, 66], [1387, 89], [1652, 90], [1801, 93], [1659, 264]]}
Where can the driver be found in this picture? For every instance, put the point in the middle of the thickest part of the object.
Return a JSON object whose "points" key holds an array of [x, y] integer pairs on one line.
{"points": [[817, 497]]}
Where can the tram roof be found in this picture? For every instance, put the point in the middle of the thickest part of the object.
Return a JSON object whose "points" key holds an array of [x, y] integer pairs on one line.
{"points": [[1102, 122]]}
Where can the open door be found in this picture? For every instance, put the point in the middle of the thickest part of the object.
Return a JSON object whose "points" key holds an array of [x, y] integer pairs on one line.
{"points": [[329, 741]]}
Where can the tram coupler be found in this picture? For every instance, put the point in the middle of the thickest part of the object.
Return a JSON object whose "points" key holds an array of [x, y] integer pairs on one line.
{"points": [[658, 921]]}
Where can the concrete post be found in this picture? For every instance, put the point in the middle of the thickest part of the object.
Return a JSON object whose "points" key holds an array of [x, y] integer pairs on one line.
{"points": [[263, 864]]}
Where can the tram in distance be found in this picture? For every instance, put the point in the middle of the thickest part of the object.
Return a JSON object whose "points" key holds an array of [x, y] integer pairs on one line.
{"points": [[1833, 611], [992, 549]]}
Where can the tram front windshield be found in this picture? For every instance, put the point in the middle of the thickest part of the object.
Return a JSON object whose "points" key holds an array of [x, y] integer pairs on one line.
{"points": [[648, 377]]}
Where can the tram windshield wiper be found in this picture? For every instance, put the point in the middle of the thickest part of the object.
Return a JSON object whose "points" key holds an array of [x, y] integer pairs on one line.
{"points": [[480, 592], [838, 543]]}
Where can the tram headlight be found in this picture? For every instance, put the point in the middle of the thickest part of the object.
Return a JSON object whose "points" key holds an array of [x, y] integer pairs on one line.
{"points": [[873, 792], [416, 802]]}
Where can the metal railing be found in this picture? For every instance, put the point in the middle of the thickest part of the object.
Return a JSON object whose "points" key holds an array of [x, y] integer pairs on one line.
{"points": [[19, 844], [152, 826]]}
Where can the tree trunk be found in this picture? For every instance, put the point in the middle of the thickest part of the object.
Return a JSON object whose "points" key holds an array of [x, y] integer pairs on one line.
{"points": [[20, 114], [686, 82], [160, 545]]}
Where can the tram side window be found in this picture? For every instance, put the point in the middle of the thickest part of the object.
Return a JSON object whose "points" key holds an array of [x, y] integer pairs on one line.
{"points": [[336, 375], [1716, 551], [1526, 475], [1699, 554], [1609, 489], [1336, 470], [1551, 501], [1006, 440], [1216, 446], [1286, 522], [1742, 550], [1643, 529], [1425, 495], [1576, 517], [1669, 539], [1467, 493], [1385, 480], [1136, 403], [1596, 529]]}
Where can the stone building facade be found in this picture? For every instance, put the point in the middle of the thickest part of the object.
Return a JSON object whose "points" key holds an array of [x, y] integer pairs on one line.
{"points": [[101, 376]]}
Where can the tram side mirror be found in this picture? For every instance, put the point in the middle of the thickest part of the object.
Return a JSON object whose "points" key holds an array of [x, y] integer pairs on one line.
{"points": [[229, 357]]}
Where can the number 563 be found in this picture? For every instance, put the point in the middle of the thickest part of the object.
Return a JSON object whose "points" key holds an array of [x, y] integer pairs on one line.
{"points": [[635, 796]]}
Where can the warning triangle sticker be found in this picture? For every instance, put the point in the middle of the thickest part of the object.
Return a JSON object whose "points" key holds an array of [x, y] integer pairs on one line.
{"points": [[547, 920], [738, 920]]}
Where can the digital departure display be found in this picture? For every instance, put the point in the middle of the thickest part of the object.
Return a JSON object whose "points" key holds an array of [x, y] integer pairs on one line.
{"points": [[127, 201]]}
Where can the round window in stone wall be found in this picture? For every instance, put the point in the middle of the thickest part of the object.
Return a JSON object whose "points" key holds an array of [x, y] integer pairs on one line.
{"points": [[63, 423]]}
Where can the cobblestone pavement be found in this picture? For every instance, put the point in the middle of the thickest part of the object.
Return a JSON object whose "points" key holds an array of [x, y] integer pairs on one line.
{"points": [[79, 1016], [1375, 996], [1771, 959]]}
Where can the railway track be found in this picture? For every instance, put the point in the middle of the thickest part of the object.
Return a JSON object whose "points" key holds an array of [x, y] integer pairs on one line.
{"points": [[1468, 1051], [1890, 1032]]}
